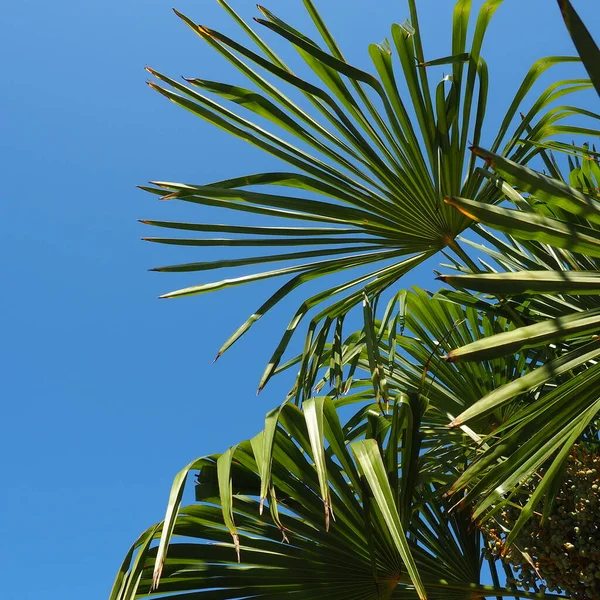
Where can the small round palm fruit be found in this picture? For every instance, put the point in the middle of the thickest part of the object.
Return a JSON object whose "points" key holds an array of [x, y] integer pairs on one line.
{"points": [[564, 549]]}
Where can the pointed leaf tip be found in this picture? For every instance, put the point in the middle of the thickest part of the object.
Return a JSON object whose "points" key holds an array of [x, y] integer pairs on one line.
{"points": [[236, 541], [156, 576], [481, 153], [455, 203]]}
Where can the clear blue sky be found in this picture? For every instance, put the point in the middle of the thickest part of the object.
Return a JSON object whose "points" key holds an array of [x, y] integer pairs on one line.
{"points": [[107, 390]]}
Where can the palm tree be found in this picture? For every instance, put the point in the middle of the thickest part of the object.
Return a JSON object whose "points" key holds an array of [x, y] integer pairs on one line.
{"points": [[383, 506], [548, 278]]}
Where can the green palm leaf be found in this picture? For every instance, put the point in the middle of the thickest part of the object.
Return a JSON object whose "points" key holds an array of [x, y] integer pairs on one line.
{"points": [[371, 183], [369, 180], [528, 282], [586, 47], [555, 405], [369, 552]]}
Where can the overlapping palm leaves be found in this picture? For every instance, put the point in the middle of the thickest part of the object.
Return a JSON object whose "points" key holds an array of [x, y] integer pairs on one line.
{"points": [[353, 511], [548, 279], [373, 158], [370, 179], [546, 289], [341, 520], [549, 283]]}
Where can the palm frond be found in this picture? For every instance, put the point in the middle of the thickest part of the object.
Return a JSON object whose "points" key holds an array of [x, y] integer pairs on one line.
{"points": [[381, 544], [370, 168], [556, 402]]}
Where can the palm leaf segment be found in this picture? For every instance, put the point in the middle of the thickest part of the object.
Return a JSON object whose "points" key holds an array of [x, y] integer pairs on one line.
{"points": [[377, 482], [315, 475], [360, 507], [549, 276], [548, 279], [372, 160]]}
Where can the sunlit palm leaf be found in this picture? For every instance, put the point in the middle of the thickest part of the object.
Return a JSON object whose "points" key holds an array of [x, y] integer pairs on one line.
{"points": [[370, 551], [371, 171], [358, 511], [557, 402]]}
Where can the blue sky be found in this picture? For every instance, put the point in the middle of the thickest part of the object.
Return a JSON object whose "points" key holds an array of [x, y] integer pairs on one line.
{"points": [[108, 391]]}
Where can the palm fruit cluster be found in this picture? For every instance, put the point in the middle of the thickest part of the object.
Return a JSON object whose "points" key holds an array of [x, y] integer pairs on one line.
{"points": [[560, 553]]}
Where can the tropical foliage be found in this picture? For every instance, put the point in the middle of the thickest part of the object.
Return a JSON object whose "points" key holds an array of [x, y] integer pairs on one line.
{"points": [[462, 406], [370, 172]]}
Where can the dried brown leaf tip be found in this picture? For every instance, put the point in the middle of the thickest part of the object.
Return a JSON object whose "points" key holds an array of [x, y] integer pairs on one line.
{"points": [[481, 153], [450, 357], [455, 423], [450, 201], [236, 542], [156, 576]]}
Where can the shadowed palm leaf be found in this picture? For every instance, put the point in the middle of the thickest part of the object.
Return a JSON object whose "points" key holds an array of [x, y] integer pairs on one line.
{"points": [[406, 416], [550, 282]]}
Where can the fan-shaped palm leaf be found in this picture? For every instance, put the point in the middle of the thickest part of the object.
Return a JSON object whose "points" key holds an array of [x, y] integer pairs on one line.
{"points": [[381, 543], [370, 167]]}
